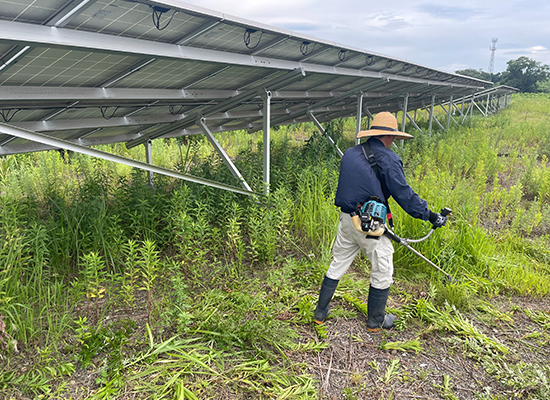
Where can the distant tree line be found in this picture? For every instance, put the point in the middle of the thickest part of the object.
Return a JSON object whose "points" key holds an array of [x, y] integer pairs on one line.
{"points": [[525, 74]]}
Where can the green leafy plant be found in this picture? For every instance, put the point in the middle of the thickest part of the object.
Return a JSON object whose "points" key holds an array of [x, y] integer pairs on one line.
{"points": [[93, 280], [130, 276], [446, 389], [392, 371], [410, 345], [149, 264]]}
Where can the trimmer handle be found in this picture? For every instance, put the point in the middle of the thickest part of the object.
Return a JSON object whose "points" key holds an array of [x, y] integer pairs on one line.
{"points": [[405, 242], [392, 236]]}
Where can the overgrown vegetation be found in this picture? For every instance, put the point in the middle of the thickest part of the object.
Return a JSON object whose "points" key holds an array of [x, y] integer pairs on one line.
{"points": [[525, 74], [111, 288]]}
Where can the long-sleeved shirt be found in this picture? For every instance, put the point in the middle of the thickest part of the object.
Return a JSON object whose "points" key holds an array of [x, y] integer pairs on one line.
{"points": [[358, 181]]}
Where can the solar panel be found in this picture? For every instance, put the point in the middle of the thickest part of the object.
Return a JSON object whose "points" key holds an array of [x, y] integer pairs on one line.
{"points": [[106, 71]]}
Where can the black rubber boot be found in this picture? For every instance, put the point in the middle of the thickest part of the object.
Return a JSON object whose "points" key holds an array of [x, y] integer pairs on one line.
{"points": [[325, 295], [377, 310]]}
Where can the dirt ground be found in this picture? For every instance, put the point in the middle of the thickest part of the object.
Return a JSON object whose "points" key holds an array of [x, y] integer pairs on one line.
{"points": [[345, 369], [354, 367]]}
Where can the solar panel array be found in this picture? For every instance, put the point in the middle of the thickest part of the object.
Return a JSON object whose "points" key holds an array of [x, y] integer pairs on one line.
{"points": [[105, 71]]}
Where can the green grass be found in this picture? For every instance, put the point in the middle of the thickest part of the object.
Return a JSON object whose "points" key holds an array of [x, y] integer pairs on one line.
{"points": [[172, 292]]}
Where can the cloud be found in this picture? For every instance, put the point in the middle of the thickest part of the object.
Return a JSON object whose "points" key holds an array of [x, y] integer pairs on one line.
{"points": [[538, 49], [539, 53], [456, 13], [298, 25], [435, 33], [385, 20]]}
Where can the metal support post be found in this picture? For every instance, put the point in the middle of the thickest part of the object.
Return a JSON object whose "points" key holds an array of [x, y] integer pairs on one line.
{"points": [[329, 139], [219, 149], [359, 114], [431, 115], [449, 115], [267, 140], [487, 104], [405, 105], [149, 159]]}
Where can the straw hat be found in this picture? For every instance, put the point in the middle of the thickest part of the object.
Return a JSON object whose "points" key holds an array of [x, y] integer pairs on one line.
{"points": [[384, 123]]}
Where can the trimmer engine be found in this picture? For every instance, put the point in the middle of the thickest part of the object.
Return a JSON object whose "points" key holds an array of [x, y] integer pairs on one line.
{"points": [[370, 218]]}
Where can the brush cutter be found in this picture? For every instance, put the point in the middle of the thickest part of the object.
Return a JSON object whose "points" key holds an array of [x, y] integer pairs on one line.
{"points": [[406, 243]]}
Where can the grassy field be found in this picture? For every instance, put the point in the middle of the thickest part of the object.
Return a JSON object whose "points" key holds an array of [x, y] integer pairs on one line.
{"points": [[112, 289]]}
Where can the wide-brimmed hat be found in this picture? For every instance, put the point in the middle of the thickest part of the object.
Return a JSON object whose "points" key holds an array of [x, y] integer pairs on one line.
{"points": [[384, 123]]}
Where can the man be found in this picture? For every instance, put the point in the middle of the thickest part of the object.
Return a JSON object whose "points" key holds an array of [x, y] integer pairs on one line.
{"points": [[358, 183]]}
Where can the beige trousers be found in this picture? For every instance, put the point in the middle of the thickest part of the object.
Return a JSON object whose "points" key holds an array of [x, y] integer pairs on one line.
{"points": [[349, 242]]}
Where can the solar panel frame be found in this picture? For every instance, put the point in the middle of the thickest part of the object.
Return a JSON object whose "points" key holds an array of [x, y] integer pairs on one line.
{"points": [[107, 71]]}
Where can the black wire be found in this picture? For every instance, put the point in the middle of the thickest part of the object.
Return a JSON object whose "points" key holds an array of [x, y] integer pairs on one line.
{"points": [[157, 14], [304, 47], [246, 38], [104, 110], [173, 112], [370, 60], [342, 55], [6, 114]]}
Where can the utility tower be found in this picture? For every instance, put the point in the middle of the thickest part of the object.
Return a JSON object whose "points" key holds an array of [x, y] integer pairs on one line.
{"points": [[492, 60]]}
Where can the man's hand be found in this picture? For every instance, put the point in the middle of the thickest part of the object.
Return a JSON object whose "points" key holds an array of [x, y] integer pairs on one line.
{"points": [[437, 219]]}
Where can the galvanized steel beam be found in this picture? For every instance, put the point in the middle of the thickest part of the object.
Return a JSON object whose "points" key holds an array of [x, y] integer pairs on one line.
{"points": [[449, 115], [267, 141], [63, 144], [225, 105], [324, 103], [431, 112], [358, 117], [68, 12], [18, 32], [413, 121], [17, 52], [330, 140], [405, 104], [149, 160], [147, 120], [225, 158], [13, 94]]}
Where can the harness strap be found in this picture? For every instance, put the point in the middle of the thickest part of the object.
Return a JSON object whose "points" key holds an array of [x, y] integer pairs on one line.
{"points": [[367, 151]]}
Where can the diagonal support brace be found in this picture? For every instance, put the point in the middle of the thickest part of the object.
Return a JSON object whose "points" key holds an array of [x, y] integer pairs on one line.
{"points": [[330, 140], [219, 149], [63, 144]]}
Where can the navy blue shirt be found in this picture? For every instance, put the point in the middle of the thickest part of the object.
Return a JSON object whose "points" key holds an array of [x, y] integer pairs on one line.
{"points": [[358, 182]]}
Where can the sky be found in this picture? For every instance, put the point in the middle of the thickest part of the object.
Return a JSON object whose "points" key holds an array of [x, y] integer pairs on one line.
{"points": [[444, 35]]}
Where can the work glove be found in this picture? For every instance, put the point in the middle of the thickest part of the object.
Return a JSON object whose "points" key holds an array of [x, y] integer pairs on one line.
{"points": [[437, 219]]}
